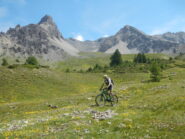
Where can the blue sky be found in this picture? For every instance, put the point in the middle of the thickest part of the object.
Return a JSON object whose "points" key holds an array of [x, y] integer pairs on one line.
{"points": [[91, 19]]}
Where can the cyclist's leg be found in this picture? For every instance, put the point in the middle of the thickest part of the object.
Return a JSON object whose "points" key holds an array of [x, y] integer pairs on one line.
{"points": [[110, 90]]}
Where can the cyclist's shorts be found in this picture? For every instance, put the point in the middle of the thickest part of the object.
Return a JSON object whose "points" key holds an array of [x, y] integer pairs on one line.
{"points": [[110, 87]]}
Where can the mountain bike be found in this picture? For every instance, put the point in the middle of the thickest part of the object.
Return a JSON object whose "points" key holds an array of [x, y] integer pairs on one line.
{"points": [[104, 97]]}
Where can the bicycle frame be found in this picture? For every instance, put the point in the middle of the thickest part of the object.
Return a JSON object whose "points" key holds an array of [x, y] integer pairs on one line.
{"points": [[104, 93]]}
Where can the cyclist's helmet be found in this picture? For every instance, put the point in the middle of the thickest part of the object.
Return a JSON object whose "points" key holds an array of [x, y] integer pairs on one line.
{"points": [[105, 76]]}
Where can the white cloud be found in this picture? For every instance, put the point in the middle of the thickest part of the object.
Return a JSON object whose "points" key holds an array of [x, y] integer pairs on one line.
{"points": [[174, 25], [105, 36], [79, 38], [3, 12]]}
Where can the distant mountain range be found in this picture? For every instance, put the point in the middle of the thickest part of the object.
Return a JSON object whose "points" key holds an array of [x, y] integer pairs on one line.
{"points": [[131, 40], [44, 40]]}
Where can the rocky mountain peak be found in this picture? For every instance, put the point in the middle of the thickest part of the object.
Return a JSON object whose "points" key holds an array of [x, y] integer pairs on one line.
{"points": [[46, 20], [49, 26], [129, 29]]}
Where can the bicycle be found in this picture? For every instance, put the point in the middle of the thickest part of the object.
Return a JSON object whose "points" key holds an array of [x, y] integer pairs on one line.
{"points": [[104, 97]]}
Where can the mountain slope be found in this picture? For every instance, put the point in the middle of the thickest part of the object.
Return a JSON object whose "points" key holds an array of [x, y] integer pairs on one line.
{"points": [[42, 40], [84, 46]]}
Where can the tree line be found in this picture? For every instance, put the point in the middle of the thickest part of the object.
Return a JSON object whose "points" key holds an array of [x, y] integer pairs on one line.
{"points": [[140, 62]]}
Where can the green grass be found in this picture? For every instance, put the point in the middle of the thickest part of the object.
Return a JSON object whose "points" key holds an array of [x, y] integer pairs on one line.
{"points": [[180, 57], [145, 109]]}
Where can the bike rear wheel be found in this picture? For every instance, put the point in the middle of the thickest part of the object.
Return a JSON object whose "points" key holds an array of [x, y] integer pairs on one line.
{"points": [[114, 100], [100, 100]]}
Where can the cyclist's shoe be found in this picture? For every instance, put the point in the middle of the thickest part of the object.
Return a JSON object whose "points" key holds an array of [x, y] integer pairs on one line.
{"points": [[109, 100]]}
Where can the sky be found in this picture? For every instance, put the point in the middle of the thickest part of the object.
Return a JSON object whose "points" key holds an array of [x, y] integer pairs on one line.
{"points": [[92, 19]]}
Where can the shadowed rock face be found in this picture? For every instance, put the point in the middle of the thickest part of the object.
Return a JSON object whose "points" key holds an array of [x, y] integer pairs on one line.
{"points": [[42, 40], [46, 19]]}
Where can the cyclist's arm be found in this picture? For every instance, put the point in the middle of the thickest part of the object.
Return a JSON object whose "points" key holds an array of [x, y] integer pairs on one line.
{"points": [[102, 86]]}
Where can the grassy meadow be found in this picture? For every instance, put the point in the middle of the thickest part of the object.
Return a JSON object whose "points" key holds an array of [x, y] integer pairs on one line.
{"points": [[145, 110]]}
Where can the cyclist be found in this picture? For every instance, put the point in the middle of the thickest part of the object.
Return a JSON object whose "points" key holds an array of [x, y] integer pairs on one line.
{"points": [[107, 84]]}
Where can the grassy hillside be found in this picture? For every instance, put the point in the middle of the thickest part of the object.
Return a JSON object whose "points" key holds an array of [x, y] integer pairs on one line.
{"points": [[90, 59], [145, 109]]}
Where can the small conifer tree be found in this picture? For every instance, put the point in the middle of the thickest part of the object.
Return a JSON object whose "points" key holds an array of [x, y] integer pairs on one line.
{"points": [[116, 59], [155, 72], [4, 62], [32, 61]]}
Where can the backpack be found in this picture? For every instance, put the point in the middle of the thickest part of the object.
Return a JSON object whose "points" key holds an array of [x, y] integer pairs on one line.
{"points": [[107, 81]]}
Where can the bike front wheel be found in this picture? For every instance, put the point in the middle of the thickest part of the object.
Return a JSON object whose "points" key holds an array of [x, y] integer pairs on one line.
{"points": [[114, 100], [100, 100]]}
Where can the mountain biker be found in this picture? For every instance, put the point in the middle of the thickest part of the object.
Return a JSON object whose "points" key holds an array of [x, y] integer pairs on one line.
{"points": [[107, 84]]}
